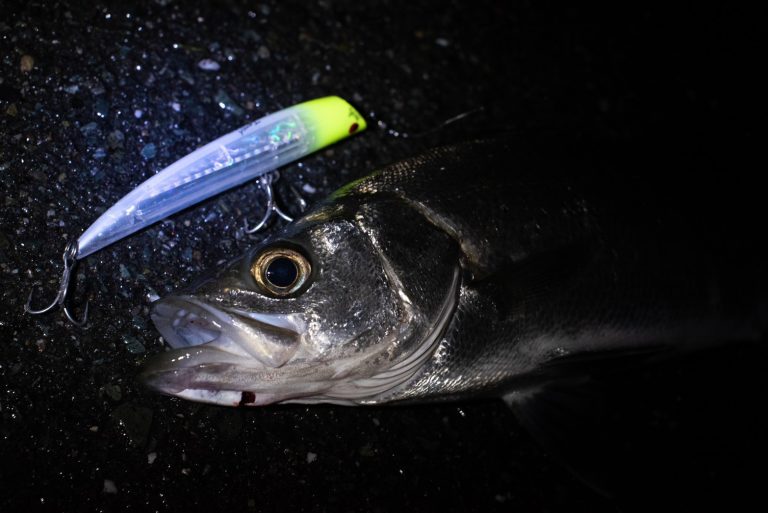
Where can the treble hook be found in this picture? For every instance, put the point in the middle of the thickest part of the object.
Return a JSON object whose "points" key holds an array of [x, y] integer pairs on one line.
{"points": [[70, 259], [272, 207]]}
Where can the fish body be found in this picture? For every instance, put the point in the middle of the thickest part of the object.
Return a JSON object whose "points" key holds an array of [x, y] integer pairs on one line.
{"points": [[473, 269]]}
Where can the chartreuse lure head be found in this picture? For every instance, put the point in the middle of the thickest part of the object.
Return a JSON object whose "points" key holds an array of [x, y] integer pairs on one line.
{"points": [[330, 120]]}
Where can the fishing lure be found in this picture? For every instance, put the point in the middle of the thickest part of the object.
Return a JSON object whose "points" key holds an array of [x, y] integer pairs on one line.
{"points": [[249, 152]]}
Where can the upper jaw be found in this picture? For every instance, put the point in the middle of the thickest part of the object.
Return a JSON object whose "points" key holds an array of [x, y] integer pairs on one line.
{"points": [[270, 339]]}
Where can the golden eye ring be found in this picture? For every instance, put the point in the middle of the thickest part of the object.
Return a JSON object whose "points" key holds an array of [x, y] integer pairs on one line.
{"points": [[280, 272]]}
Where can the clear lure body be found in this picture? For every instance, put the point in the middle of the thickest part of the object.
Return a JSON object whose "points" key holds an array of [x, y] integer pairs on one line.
{"points": [[242, 155]]}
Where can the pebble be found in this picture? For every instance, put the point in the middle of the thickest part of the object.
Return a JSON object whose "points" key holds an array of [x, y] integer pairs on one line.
{"points": [[209, 65], [133, 344], [149, 151], [113, 392], [27, 63], [101, 107], [224, 101], [89, 128]]}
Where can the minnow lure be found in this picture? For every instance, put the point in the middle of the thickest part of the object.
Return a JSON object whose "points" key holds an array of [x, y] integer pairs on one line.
{"points": [[246, 153]]}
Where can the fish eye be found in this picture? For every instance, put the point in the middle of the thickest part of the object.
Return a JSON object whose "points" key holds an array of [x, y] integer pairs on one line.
{"points": [[280, 272]]}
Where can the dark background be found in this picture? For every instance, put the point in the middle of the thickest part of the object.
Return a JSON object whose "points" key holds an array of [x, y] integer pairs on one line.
{"points": [[95, 98]]}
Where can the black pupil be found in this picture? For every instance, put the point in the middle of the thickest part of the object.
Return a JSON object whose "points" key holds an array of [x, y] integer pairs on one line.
{"points": [[281, 272]]}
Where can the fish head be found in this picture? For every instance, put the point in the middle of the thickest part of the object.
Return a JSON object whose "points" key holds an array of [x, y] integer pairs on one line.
{"points": [[335, 309]]}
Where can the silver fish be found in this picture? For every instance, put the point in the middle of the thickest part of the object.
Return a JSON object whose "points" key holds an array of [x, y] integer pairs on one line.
{"points": [[471, 269]]}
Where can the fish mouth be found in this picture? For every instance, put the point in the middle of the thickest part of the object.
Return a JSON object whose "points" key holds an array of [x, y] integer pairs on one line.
{"points": [[218, 353], [271, 339]]}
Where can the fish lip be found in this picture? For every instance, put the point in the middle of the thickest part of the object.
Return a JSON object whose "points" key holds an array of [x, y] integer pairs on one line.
{"points": [[199, 373], [177, 373]]}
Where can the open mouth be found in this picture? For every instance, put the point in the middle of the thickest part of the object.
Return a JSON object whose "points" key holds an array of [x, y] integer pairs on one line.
{"points": [[270, 339], [184, 322], [213, 349]]}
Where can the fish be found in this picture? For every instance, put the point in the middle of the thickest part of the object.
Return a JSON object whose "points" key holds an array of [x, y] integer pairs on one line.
{"points": [[487, 268], [468, 270]]}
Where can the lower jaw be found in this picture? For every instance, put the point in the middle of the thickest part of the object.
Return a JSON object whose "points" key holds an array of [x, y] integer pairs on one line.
{"points": [[227, 397]]}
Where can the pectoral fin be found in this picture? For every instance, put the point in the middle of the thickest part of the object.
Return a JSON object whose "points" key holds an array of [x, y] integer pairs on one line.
{"points": [[570, 410]]}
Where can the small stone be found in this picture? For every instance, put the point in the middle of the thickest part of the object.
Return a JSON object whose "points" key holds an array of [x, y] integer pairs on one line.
{"points": [[113, 391], [209, 65], [89, 128], [12, 110], [441, 41], [224, 101], [138, 322], [133, 344], [149, 151], [263, 52], [101, 107], [151, 457], [109, 486], [27, 63], [138, 113], [311, 457]]}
